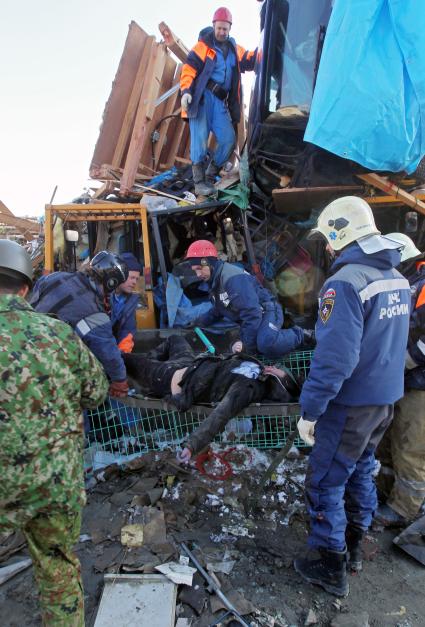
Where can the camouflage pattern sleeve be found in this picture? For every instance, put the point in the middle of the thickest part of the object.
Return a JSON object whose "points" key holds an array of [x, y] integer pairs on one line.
{"points": [[94, 383]]}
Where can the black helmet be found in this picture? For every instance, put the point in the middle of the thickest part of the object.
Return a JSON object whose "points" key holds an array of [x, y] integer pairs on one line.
{"points": [[15, 261], [283, 389], [109, 270]]}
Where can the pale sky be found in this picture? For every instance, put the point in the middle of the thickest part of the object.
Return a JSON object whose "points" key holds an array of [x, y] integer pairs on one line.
{"points": [[58, 61]]}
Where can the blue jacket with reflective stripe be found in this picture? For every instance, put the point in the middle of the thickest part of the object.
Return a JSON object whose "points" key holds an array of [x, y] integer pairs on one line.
{"points": [[361, 334], [238, 296], [77, 300]]}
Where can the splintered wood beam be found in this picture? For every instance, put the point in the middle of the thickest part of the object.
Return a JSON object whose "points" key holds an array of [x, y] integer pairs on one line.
{"points": [[388, 200], [133, 102], [173, 43], [394, 190], [144, 115], [163, 131], [4, 209], [25, 227], [166, 81]]}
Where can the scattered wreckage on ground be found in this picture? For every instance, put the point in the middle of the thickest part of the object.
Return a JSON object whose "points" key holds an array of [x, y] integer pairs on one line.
{"points": [[143, 509]]}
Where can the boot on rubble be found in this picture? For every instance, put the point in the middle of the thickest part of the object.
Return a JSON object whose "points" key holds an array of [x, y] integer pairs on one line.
{"points": [[354, 537], [388, 517], [211, 173], [329, 571], [202, 188]]}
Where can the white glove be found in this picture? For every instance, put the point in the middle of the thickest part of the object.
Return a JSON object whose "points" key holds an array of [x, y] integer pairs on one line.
{"points": [[185, 101], [237, 347], [183, 457], [306, 430]]}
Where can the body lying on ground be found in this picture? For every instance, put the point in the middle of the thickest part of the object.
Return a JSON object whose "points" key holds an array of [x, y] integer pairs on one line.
{"points": [[232, 382]]}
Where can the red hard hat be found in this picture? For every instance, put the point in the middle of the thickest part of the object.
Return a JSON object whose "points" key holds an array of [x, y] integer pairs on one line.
{"points": [[222, 15], [201, 248]]}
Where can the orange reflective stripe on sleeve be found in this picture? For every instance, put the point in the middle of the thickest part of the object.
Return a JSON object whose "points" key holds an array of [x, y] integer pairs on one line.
{"points": [[195, 63], [187, 77], [127, 344], [240, 52], [421, 298]]}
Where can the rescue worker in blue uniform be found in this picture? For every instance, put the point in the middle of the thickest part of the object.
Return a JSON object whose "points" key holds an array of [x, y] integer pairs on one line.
{"points": [[124, 303], [81, 300], [402, 451], [210, 85], [238, 296], [356, 375]]}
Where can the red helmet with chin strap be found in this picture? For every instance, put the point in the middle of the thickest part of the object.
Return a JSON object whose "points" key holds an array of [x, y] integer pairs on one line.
{"points": [[222, 15], [201, 248]]}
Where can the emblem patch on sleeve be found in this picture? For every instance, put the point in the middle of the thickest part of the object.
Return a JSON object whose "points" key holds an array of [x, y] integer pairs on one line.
{"points": [[325, 310]]}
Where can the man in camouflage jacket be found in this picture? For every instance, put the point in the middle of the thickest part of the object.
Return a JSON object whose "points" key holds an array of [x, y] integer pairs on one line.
{"points": [[47, 376]]}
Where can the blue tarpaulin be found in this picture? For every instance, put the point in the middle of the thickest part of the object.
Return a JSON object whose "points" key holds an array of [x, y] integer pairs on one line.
{"points": [[369, 99]]}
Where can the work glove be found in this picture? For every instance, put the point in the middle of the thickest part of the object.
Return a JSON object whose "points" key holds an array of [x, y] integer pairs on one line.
{"points": [[183, 456], [237, 347], [306, 430], [185, 101], [309, 337], [118, 389], [127, 344]]}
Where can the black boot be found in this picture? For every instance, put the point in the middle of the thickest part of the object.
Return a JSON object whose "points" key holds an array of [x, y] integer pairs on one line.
{"points": [[329, 571], [211, 173], [202, 188], [354, 537]]}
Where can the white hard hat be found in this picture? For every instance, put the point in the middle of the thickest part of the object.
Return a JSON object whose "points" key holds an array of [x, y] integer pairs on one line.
{"points": [[344, 221], [408, 249]]}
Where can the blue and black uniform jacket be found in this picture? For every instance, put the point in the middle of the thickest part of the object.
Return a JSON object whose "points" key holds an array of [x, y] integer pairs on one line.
{"points": [[361, 333], [74, 298]]}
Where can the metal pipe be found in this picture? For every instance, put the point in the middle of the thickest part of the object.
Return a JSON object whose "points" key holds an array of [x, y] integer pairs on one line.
{"points": [[214, 586]]}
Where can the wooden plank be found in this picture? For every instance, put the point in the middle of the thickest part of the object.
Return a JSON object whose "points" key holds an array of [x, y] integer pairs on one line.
{"points": [[166, 81], [116, 105], [303, 199], [176, 131], [48, 240], [389, 200], [133, 102], [144, 115], [182, 161], [25, 227], [173, 42], [4, 209], [169, 109], [391, 188]]}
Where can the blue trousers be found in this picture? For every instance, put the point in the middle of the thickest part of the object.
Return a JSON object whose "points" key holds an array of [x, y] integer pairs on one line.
{"points": [[339, 482], [213, 116], [272, 340]]}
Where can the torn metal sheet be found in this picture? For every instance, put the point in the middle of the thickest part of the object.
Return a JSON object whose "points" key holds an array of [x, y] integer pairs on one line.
{"points": [[412, 540], [143, 600]]}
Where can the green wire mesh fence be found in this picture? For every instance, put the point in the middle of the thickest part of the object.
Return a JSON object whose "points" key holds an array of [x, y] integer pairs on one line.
{"points": [[121, 431]]}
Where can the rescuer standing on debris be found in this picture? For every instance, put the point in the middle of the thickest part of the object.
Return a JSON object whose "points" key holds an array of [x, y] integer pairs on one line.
{"points": [[210, 85], [48, 376], [356, 375], [81, 300], [402, 450], [238, 296], [124, 302]]}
